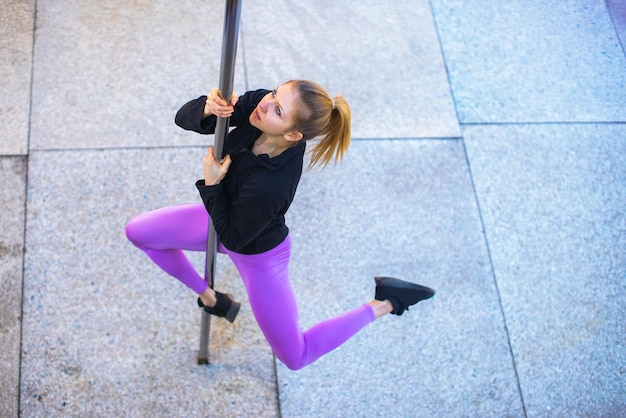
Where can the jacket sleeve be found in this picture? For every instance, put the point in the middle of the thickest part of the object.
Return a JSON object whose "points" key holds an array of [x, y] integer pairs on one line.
{"points": [[189, 116], [239, 222]]}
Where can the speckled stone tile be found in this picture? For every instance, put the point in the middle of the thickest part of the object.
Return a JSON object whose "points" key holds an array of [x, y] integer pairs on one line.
{"points": [[12, 204], [532, 61], [113, 74], [16, 51], [406, 209], [106, 333], [552, 200], [384, 57]]}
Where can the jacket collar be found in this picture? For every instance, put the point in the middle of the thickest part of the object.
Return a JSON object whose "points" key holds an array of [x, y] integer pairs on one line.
{"points": [[285, 156]]}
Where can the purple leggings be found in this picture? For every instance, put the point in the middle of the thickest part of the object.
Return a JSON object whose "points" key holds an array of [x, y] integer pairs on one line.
{"points": [[164, 233]]}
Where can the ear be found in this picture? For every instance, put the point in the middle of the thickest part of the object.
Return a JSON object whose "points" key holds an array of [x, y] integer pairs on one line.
{"points": [[293, 136]]}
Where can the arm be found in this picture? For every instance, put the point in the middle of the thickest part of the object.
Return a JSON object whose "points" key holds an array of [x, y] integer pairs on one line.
{"points": [[200, 115], [191, 117]]}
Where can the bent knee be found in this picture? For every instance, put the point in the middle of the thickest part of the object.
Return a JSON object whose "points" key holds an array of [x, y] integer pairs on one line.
{"points": [[294, 366], [292, 363], [134, 232]]}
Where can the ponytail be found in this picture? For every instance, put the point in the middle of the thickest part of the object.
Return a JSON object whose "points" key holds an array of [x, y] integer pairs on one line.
{"points": [[319, 115]]}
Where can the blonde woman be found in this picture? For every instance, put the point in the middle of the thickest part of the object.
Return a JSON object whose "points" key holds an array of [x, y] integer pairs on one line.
{"points": [[246, 196]]}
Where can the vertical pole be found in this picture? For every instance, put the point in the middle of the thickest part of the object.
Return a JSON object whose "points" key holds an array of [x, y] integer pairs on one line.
{"points": [[227, 74]]}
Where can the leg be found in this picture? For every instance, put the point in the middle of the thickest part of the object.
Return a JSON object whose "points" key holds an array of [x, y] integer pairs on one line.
{"points": [[381, 307], [164, 233], [273, 303]]}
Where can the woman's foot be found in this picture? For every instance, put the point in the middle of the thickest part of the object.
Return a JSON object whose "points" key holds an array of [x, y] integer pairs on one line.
{"points": [[401, 294], [225, 307]]}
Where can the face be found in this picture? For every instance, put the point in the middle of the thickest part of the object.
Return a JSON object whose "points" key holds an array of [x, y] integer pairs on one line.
{"points": [[275, 113]]}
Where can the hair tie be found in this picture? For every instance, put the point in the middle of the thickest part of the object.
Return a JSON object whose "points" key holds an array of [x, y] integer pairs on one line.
{"points": [[332, 104]]}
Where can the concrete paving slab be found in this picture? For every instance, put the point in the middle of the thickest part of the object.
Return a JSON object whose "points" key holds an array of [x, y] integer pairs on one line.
{"points": [[113, 73], [406, 209], [552, 200], [532, 61], [384, 57], [16, 52], [105, 332], [12, 207]]}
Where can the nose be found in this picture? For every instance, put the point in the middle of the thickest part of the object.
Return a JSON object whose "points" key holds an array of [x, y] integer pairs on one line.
{"points": [[263, 105]]}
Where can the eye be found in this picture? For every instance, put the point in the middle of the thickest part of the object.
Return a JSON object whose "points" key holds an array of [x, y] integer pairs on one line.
{"points": [[277, 108]]}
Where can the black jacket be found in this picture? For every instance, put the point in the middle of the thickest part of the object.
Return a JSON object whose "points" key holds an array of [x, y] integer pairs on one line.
{"points": [[248, 206]]}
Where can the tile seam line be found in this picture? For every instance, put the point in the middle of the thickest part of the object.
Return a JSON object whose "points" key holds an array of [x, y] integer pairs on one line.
{"points": [[25, 219], [495, 282], [619, 40], [181, 147], [445, 62], [23, 296], [410, 138], [493, 275], [547, 123], [278, 405], [242, 40]]}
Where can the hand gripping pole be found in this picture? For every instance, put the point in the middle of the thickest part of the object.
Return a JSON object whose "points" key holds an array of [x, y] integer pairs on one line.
{"points": [[227, 74]]}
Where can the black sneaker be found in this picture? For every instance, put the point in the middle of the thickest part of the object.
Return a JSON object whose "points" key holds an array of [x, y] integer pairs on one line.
{"points": [[401, 294], [226, 307]]}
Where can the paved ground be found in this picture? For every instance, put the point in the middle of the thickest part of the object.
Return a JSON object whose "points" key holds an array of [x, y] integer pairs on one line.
{"points": [[488, 161]]}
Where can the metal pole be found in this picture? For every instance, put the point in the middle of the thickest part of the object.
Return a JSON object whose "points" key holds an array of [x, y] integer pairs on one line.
{"points": [[227, 74]]}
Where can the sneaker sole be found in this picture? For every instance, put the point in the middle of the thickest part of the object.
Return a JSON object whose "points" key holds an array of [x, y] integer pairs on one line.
{"points": [[401, 284], [233, 311]]}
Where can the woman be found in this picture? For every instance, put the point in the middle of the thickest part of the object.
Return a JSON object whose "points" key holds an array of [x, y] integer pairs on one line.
{"points": [[247, 195]]}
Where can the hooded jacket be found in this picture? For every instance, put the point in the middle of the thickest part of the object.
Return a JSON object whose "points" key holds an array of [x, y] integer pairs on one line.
{"points": [[248, 206]]}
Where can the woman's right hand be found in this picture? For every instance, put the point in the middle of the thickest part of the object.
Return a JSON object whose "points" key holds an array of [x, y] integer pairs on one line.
{"points": [[214, 171], [216, 105]]}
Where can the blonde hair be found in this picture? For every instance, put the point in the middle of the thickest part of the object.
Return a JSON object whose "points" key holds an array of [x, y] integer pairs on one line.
{"points": [[319, 115]]}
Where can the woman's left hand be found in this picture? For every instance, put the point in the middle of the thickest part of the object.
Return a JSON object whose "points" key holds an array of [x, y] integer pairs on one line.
{"points": [[214, 171]]}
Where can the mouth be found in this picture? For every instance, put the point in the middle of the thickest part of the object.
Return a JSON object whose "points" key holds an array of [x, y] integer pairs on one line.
{"points": [[255, 114]]}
